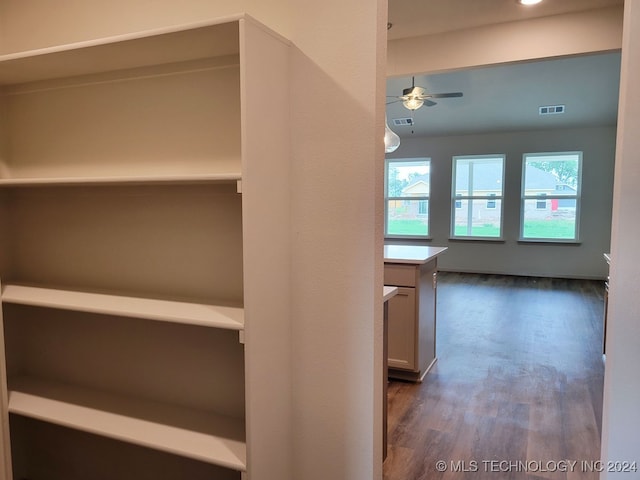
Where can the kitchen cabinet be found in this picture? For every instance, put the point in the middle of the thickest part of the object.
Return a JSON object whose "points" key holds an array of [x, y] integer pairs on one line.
{"points": [[387, 294], [134, 179], [412, 312]]}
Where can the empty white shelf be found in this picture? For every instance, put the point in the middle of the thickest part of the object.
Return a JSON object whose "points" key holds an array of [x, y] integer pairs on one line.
{"points": [[230, 318], [198, 435], [154, 47], [121, 180]]}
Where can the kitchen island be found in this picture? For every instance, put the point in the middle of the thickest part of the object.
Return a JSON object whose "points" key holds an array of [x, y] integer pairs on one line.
{"points": [[412, 312]]}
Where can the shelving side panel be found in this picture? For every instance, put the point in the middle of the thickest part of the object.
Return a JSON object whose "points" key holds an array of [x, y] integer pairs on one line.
{"points": [[5, 439], [5, 234], [157, 122], [266, 215], [5, 444], [170, 242], [4, 139]]}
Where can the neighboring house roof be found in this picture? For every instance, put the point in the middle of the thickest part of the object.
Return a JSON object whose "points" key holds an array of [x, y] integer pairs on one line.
{"points": [[418, 186]]}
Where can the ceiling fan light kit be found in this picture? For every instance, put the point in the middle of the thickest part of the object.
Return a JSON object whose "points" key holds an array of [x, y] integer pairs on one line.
{"points": [[413, 103], [415, 97]]}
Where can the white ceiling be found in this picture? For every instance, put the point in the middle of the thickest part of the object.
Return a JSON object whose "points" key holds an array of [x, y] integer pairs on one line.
{"points": [[504, 97], [507, 97]]}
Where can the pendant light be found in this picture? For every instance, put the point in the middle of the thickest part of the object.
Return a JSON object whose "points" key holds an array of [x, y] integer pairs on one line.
{"points": [[391, 139]]}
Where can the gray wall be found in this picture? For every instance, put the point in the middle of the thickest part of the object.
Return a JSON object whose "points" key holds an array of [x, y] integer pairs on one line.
{"points": [[584, 260]]}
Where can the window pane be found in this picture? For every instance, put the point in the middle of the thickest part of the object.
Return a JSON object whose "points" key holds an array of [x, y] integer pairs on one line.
{"points": [[407, 186], [556, 221], [408, 217], [408, 178], [552, 195], [474, 219], [556, 174], [479, 176]]}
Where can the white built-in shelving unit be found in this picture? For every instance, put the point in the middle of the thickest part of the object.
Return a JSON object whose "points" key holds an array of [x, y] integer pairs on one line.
{"points": [[125, 257]]}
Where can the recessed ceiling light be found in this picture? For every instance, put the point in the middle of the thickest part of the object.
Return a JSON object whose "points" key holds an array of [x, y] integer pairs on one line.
{"points": [[529, 2]]}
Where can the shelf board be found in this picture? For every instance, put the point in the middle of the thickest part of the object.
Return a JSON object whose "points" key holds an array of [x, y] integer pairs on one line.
{"points": [[140, 49], [230, 318], [121, 180], [198, 435]]}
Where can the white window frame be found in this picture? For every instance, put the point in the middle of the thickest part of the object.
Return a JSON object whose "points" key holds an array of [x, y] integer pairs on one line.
{"points": [[549, 197], [456, 200], [422, 198]]}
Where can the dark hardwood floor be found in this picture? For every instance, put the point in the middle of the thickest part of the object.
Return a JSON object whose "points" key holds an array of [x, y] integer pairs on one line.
{"points": [[517, 389]]}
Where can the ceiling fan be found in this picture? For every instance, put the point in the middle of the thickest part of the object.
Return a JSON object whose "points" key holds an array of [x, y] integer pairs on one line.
{"points": [[414, 97]]}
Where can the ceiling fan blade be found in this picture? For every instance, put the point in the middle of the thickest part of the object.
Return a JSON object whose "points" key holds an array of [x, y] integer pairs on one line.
{"points": [[445, 95], [429, 103], [393, 101]]}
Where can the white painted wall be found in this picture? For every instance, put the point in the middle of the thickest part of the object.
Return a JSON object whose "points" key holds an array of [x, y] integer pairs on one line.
{"points": [[57, 23], [621, 422], [584, 260], [337, 82], [559, 35]]}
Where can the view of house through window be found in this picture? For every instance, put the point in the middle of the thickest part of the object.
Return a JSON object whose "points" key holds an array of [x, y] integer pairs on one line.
{"points": [[477, 196], [407, 187], [551, 196]]}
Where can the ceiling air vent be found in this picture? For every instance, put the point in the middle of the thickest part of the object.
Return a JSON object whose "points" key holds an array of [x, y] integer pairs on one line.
{"points": [[400, 122], [551, 109]]}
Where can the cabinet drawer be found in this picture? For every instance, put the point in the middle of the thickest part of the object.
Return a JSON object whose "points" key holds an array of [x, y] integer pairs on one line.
{"points": [[400, 275]]}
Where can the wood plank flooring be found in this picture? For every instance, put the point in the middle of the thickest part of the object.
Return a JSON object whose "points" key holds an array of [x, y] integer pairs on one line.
{"points": [[517, 389]]}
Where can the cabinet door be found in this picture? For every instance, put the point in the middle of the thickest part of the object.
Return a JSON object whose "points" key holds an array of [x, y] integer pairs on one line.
{"points": [[402, 329]]}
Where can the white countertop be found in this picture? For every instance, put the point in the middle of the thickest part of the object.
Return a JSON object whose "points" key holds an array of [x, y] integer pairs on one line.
{"points": [[413, 254], [389, 292]]}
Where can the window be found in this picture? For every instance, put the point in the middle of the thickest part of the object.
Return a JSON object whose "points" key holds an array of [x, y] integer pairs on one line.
{"points": [[550, 204], [477, 196], [407, 189]]}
